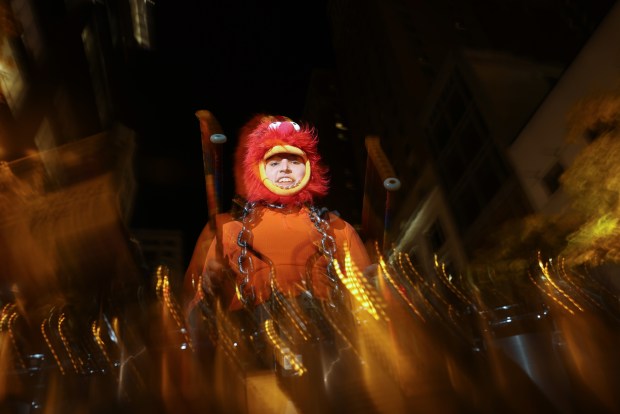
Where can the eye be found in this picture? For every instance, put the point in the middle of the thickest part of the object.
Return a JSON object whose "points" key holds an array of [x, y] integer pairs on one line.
{"points": [[273, 163], [295, 125], [274, 125]]}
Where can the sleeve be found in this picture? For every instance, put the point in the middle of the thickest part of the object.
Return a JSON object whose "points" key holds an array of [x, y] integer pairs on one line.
{"points": [[358, 251], [203, 255], [196, 264], [344, 232]]}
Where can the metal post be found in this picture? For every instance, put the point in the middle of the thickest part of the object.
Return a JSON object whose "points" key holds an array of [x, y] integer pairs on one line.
{"points": [[212, 137], [391, 184]]}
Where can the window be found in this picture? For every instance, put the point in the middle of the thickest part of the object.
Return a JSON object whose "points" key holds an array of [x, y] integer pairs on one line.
{"points": [[489, 176], [470, 141], [440, 136], [551, 180], [454, 107], [466, 207], [452, 168]]}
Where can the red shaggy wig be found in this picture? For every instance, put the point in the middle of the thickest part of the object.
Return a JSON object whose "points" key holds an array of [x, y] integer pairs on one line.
{"points": [[255, 143]]}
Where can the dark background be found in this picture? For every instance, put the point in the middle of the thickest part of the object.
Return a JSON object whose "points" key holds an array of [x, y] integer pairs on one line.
{"points": [[234, 59]]}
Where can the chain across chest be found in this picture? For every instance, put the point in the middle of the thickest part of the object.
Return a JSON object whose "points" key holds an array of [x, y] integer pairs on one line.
{"points": [[245, 261]]}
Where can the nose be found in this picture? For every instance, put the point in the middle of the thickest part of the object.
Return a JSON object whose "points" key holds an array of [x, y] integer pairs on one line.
{"points": [[284, 165]]}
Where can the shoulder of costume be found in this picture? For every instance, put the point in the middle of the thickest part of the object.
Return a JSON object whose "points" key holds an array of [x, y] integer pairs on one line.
{"points": [[337, 222]]}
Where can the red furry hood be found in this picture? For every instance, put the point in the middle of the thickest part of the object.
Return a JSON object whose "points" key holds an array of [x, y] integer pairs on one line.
{"points": [[256, 139]]}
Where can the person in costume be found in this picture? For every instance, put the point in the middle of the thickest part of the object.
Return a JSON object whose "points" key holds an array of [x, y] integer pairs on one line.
{"points": [[281, 239], [277, 256]]}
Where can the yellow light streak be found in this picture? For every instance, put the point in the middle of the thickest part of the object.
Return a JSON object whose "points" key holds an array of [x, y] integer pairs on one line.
{"points": [[65, 342], [96, 331], [575, 286], [551, 296], [392, 282], [163, 284], [416, 287], [7, 311], [549, 279], [18, 354], [51, 347], [297, 366], [295, 317], [425, 283], [356, 286], [357, 291], [444, 278]]}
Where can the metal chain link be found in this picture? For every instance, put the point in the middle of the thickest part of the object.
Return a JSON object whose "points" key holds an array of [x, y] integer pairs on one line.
{"points": [[328, 244], [244, 261]]}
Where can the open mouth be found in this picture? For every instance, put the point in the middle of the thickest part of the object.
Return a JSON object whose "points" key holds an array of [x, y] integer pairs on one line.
{"points": [[286, 182]]}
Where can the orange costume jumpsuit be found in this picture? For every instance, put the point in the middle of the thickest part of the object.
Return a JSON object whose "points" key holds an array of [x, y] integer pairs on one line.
{"points": [[291, 242], [284, 242]]}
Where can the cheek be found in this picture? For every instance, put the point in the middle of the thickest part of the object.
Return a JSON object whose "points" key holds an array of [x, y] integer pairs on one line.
{"points": [[270, 172], [300, 171]]}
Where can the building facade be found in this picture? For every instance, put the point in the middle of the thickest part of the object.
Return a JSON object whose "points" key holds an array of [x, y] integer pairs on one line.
{"points": [[448, 87]]}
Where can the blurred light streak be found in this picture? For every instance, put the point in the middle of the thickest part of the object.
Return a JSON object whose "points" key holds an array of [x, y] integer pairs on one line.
{"points": [[338, 330], [588, 334], [355, 287], [291, 311], [409, 342], [12, 317], [551, 295], [398, 288], [574, 284], [590, 350], [44, 323], [74, 360], [548, 278], [551, 289], [286, 356], [441, 271], [96, 331], [428, 286], [141, 22], [162, 276]]}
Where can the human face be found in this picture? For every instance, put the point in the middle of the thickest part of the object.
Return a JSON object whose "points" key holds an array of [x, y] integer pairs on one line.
{"points": [[285, 170]]}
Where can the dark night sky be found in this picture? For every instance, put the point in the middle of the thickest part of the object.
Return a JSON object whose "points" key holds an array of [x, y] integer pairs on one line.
{"points": [[237, 58], [232, 58]]}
